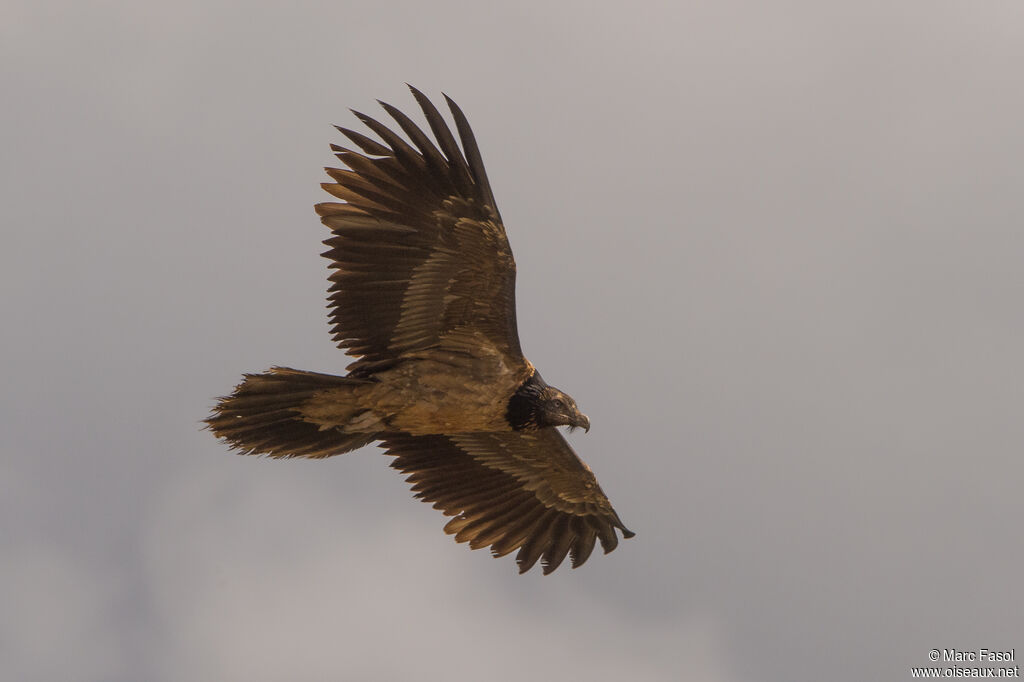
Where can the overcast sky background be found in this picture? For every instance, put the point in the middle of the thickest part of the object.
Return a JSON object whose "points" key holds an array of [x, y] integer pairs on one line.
{"points": [[774, 250]]}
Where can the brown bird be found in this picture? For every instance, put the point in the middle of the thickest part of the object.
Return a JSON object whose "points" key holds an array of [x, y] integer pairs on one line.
{"points": [[423, 294]]}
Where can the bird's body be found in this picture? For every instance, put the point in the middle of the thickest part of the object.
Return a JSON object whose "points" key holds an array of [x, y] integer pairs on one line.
{"points": [[423, 293], [435, 392]]}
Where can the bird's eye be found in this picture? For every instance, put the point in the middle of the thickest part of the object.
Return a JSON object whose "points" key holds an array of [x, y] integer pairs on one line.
{"points": [[559, 404]]}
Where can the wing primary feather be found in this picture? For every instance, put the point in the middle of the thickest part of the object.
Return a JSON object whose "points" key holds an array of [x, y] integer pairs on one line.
{"points": [[516, 534], [402, 150], [367, 144], [430, 153], [536, 543], [476, 162], [457, 162], [368, 167], [561, 541], [584, 542], [606, 533]]}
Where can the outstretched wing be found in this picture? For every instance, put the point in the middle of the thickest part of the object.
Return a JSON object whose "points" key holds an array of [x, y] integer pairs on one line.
{"points": [[516, 490], [419, 250]]}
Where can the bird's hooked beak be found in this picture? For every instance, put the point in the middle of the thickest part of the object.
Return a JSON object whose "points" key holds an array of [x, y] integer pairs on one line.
{"points": [[581, 421]]}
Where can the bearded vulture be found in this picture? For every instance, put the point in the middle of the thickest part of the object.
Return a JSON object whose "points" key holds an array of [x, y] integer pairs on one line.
{"points": [[423, 295]]}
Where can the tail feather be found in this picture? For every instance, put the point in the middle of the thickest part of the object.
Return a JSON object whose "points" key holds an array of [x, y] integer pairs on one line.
{"points": [[268, 414]]}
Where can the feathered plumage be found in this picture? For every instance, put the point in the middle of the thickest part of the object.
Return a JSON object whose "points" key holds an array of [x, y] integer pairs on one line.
{"points": [[423, 295]]}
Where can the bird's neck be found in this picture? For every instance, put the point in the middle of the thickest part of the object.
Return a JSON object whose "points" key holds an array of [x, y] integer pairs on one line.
{"points": [[523, 411]]}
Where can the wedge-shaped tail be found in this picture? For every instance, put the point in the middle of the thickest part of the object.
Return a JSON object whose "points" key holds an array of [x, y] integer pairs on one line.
{"points": [[280, 413]]}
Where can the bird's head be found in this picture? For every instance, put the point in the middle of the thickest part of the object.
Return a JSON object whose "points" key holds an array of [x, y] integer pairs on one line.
{"points": [[536, 405], [559, 409]]}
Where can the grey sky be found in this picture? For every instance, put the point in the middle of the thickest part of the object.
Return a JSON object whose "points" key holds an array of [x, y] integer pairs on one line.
{"points": [[774, 250]]}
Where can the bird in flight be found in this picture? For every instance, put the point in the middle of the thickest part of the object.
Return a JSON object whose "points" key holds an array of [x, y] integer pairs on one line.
{"points": [[423, 295]]}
